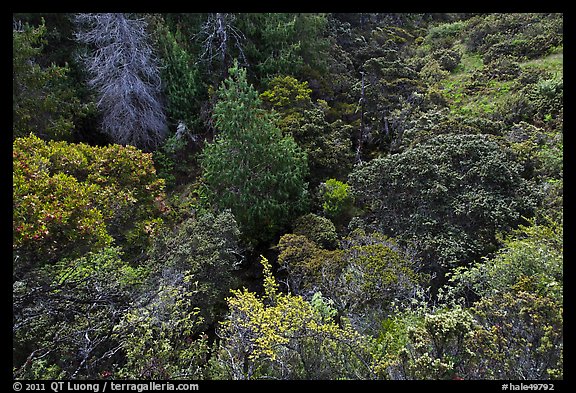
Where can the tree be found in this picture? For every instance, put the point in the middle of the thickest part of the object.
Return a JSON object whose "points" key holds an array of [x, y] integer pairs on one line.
{"points": [[160, 338], [365, 279], [199, 256], [284, 43], [449, 197], [522, 334], [534, 251], [327, 145], [125, 73], [43, 101], [318, 229], [438, 346], [183, 87], [219, 35], [336, 200], [251, 168]]}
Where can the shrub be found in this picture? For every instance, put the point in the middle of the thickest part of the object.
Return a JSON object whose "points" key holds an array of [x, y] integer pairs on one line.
{"points": [[284, 336], [286, 93], [448, 59], [318, 229], [72, 198], [365, 278], [199, 256], [444, 35], [336, 199], [432, 72], [65, 315], [449, 196]]}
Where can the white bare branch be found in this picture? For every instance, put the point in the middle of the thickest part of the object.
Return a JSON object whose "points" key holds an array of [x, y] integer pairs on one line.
{"points": [[216, 34], [126, 75]]}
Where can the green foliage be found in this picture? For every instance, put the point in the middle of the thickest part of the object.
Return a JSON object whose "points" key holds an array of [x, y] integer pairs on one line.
{"points": [[52, 212], [183, 87], [43, 100], [200, 256], [438, 348], [327, 145], [378, 277], [365, 278], [432, 247], [64, 315], [448, 196], [159, 338], [336, 199], [389, 81], [432, 72], [72, 198], [251, 168], [534, 251], [522, 34], [318, 229], [522, 335], [285, 337], [444, 35], [286, 93], [284, 43], [310, 268]]}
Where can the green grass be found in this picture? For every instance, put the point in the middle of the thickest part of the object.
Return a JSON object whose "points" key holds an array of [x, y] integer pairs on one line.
{"points": [[484, 99], [553, 63], [468, 64]]}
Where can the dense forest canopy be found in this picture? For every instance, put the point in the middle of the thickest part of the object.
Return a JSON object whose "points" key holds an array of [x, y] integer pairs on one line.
{"points": [[288, 196]]}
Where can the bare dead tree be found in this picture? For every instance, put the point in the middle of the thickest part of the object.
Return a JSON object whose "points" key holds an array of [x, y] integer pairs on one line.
{"points": [[219, 35], [124, 71]]}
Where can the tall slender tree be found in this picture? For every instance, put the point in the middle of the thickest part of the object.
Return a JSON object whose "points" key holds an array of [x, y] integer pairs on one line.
{"points": [[124, 72], [251, 168]]}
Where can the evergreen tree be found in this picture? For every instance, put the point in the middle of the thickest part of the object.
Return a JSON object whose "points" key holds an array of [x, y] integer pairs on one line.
{"points": [[251, 168], [43, 100]]}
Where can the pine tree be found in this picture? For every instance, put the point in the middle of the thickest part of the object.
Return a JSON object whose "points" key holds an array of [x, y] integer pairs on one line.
{"points": [[251, 168]]}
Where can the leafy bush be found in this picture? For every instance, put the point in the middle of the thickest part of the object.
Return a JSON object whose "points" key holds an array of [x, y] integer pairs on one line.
{"points": [[534, 252], [521, 34], [364, 279], [318, 229], [336, 199], [432, 72], [286, 93], [438, 348], [64, 316], [285, 337], [328, 146], [502, 68], [444, 35], [69, 199], [521, 335], [199, 256], [448, 196], [448, 59], [159, 339]]}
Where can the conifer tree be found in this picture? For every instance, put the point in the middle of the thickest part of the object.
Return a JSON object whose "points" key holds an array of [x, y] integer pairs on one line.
{"points": [[251, 168]]}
